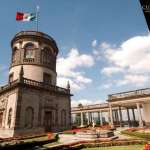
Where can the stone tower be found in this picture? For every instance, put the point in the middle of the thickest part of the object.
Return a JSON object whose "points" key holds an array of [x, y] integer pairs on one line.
{"points": [[37, 53], [31, 103]]}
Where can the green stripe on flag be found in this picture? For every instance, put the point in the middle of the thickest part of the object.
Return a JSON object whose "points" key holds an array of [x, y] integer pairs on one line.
{"points": [[32, 16]]}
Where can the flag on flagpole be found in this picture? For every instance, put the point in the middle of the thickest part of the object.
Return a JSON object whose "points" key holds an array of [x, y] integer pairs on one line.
{"points": [[25, 16]]}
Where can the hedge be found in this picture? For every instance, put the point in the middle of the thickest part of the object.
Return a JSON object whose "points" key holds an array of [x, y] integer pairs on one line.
{"points": [[137, 134], [97, 143]]}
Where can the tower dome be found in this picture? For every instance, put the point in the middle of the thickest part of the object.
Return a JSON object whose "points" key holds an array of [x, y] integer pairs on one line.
{"points": [[37, 53]]}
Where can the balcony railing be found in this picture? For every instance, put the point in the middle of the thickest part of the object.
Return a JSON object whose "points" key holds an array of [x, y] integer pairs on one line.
{"points": [[34, 33], [104, 105], [8, 85], [44, 85], [36, 84], [28, 60], [130, 94]]}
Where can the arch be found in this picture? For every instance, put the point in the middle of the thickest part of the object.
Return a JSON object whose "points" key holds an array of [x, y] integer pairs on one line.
{"points": [[29, 45], [63, 117], [47, 56], [29, 116], [14, 54], [48, 50], [29, 50], [9, 117]]}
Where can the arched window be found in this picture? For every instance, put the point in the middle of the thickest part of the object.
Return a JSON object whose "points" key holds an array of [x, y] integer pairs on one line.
{"points": [[29, 50], [29, 116], [47, 55], [9, 117], [14, 55], [63, 117], [47, 78], [29, 46]]}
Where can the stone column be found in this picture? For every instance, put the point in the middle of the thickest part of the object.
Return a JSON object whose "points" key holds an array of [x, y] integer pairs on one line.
{"points": [[120, 114], [133, 114], [82, 124], [99, 120], [128, 115], [111, 115], [91, 116], [88, 118], [116, 116], [139, 115]]}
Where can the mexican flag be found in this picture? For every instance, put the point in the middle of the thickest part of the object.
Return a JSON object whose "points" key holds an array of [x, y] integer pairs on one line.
{"points": [[25, 16]]}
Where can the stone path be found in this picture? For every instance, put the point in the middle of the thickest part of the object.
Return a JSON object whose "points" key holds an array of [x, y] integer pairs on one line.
{"points": [[66, 139]]}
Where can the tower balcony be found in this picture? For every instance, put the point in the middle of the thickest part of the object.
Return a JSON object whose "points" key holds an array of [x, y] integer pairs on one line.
{"points": [[36, 85]]}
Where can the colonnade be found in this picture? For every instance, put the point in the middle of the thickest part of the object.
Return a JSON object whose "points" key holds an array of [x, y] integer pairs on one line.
{"points": [[115, 116], [139, 114]]}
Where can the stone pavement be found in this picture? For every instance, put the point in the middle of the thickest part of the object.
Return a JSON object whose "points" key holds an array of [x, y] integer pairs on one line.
{"points": [[69, 138]]}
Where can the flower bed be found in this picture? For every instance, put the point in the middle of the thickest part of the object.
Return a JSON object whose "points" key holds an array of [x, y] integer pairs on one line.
{"points": [[147, 147], [75, 130]]}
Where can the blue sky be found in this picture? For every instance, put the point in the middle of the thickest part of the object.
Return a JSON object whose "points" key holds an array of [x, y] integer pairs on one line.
{"points": [[92, 36]]}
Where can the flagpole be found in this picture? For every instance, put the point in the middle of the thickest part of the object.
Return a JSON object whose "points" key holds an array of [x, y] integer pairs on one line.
{"points": [[37, 18]]}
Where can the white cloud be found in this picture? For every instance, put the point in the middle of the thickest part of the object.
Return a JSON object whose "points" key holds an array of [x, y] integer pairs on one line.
{"points": [[94, 43], [106, 86], [75, 103], [133, 54], [138, 80], [131, 58], [111, 70], [68, 69], [105, 45], [66, 66], [62, 82], [82, 79]]}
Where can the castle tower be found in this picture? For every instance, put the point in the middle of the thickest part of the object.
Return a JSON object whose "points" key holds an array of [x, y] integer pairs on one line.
{"points": [[37, 53], [31, 103]]}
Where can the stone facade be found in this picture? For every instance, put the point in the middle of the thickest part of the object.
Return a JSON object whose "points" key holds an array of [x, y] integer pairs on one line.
{"points": [[31, 103]]}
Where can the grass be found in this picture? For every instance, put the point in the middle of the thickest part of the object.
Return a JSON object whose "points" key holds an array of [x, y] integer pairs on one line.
{"points": [[42, 138], [130, 147], [51, 144], [137, 134]]}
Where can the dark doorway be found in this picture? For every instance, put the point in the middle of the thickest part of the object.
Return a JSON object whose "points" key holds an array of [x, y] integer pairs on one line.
{"points": [[48, 120]]}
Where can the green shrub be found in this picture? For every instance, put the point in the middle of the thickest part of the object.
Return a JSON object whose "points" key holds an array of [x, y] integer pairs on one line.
{"points": [[137, 134]]}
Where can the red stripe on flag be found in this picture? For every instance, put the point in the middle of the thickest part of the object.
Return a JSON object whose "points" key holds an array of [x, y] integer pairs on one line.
{"points": [[19, 16]]}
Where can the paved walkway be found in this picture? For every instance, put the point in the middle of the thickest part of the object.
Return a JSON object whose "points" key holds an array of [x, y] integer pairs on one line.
{"points": [[121, 136], [68, 138]]}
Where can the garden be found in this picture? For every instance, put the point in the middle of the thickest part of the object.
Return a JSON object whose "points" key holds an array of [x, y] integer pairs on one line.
{"points": [[139, 138]]}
